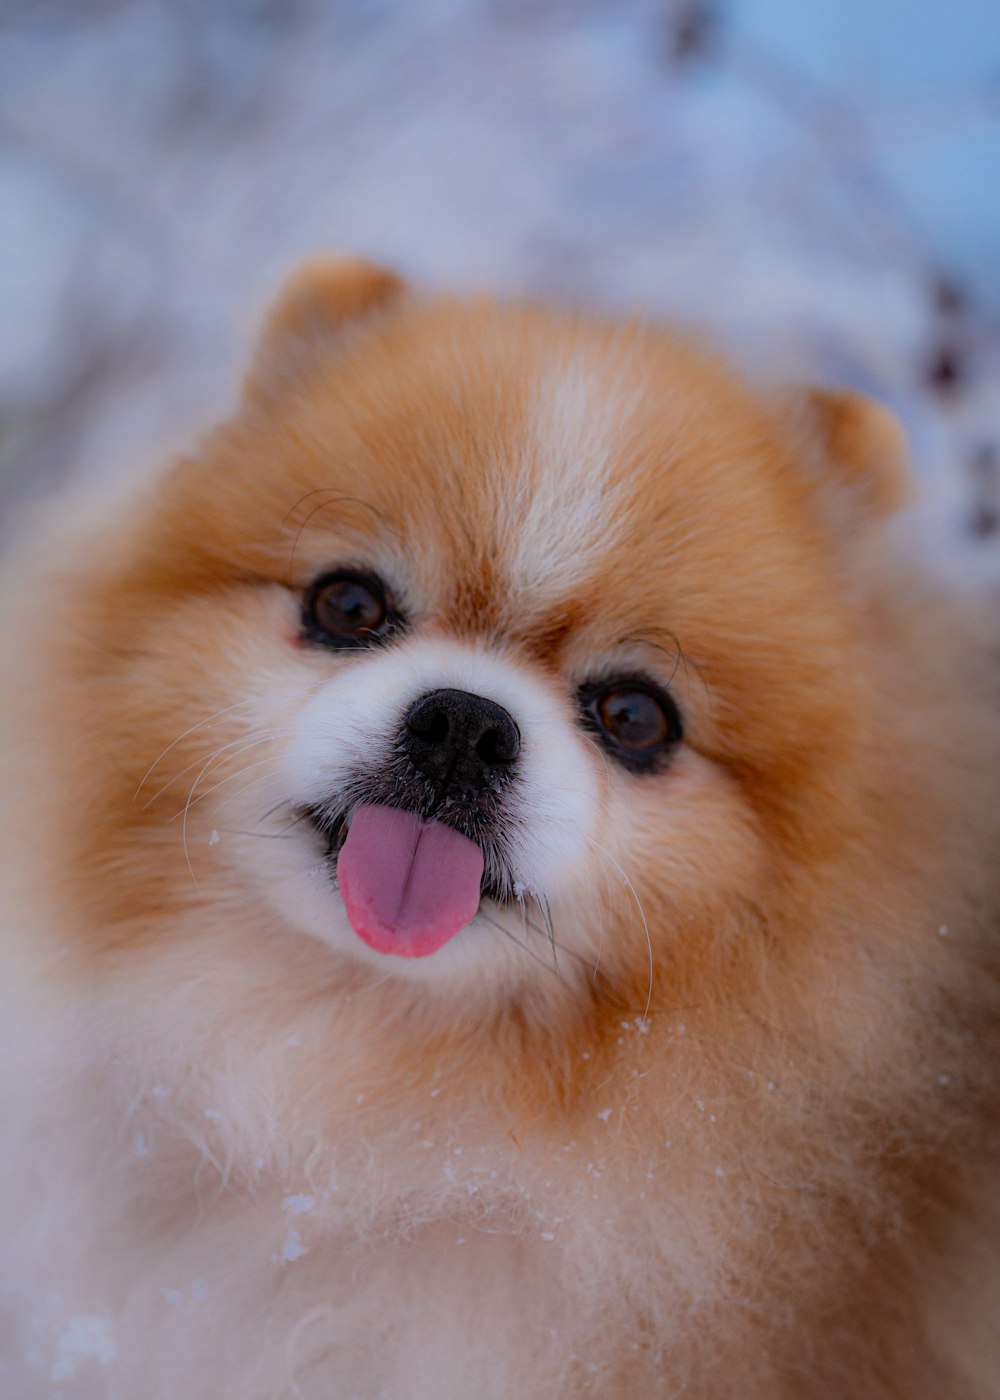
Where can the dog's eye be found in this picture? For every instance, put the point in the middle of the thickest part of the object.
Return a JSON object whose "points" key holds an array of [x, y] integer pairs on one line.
{"points": [[635, 720], [348, 609]]}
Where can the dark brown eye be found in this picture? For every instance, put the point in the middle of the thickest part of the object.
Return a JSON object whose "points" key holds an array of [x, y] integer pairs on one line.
{"points": [[348, 609], [634, 720]]}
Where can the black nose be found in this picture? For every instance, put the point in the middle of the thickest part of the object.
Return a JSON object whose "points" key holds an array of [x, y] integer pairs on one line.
{"points": [[460, 741]]}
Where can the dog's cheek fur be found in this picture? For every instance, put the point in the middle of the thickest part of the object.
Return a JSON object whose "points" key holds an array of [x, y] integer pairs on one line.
{"points": [[744, 1192]]}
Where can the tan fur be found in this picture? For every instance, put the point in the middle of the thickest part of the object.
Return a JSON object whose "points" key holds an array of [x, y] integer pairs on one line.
{"points": [[774, 1182]]}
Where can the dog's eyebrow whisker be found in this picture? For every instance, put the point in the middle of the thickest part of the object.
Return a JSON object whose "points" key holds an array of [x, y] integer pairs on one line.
{"points": [[676, 650], [334, 496]]}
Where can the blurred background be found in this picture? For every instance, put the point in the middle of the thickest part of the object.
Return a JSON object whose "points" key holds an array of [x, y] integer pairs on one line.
{"points": [[817, 182]]}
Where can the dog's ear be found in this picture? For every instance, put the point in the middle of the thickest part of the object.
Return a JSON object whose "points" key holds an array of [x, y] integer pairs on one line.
{"points": [[857, 450], [313, 314]]}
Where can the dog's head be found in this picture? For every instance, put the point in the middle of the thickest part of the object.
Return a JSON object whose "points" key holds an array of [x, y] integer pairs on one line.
{"points": [[489, 646]]}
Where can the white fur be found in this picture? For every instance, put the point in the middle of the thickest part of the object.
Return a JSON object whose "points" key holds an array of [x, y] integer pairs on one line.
{"points": [[565, 513], [422, 1254], [345, 728]]}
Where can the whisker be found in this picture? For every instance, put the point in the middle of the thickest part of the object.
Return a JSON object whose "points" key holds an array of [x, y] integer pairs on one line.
{"points": [[541, 933], [300, 817], [247, 787], [495, 923], [211, 719], [298, 874], [190, 799], [334, 496], [230, 777], [546, 913], [604, 929], [680, 657], [642, 915], [240, 745], [277, 808], [256, 835]]}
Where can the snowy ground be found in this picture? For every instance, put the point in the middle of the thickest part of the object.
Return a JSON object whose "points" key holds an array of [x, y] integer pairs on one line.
{"points": [[817, 182]]}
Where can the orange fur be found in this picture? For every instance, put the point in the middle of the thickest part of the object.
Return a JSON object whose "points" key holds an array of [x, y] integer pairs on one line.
{"points": [[749, 1158]]}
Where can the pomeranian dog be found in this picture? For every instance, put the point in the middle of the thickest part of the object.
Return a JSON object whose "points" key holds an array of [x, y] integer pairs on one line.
{"points": [[501, 876]]}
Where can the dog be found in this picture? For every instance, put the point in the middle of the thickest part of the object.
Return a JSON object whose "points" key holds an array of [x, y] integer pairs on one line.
{"points": [[501, 886]]}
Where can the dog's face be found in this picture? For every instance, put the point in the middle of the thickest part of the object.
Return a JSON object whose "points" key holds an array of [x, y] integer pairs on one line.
{"points": [[494, 648]]}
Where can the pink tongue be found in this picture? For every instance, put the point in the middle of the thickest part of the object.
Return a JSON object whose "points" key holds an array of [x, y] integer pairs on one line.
{"points": [[409, 884]]}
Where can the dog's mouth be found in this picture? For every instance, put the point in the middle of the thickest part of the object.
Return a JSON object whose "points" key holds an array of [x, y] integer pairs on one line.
{"points": [[410, 882]]}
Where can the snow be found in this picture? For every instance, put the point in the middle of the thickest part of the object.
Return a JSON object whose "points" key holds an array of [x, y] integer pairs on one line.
{"points": [[292, 1249], [814, 183], [84, 1339], [298, 1205]]}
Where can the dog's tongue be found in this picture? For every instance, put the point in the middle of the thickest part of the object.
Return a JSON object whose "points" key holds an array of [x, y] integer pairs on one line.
{"points": [[409, 884]]}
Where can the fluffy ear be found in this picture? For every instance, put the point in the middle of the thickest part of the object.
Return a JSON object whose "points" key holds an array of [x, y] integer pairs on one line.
{"points": [[313, 311], [861, 449]]}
